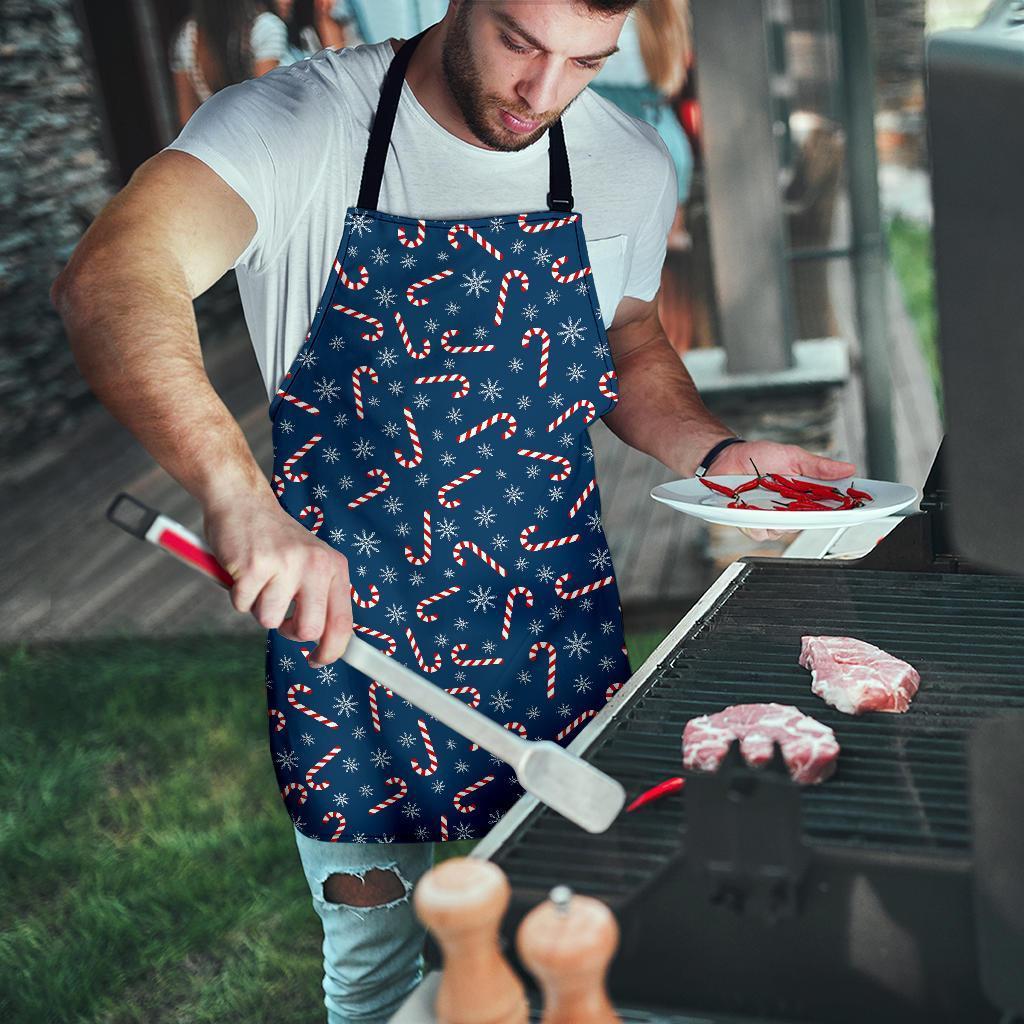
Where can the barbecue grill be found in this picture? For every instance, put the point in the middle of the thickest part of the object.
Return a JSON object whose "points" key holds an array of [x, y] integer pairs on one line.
{"points": [[894, 891]]}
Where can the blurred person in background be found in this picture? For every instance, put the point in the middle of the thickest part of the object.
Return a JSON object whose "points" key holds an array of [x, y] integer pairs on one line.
{"points": [[223, 42], [313, 25]]}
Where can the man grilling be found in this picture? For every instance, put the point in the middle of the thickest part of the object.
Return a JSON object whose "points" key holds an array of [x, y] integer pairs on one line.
{"points": [[448, 252]]}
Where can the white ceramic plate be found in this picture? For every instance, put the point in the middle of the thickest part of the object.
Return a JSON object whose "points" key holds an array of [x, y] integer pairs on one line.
{"points": [[693, 498]]}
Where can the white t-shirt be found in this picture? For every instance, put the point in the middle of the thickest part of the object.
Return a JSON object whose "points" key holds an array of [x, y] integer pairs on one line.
{"points": [[292, 143]]}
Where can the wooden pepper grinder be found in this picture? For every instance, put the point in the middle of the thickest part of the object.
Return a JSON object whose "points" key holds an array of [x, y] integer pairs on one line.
{"points": [[462, 902], [567, 943]]}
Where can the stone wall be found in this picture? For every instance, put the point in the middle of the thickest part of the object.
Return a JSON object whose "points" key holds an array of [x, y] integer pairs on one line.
{"points": [[54, 178]]}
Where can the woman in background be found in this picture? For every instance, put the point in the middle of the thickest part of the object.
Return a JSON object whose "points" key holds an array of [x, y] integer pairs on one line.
{"points": [[313, 25], [221, 43]]}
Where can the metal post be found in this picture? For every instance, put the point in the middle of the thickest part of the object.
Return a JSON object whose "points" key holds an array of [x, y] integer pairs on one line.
{"points": [[867, 238], [742, 173]]}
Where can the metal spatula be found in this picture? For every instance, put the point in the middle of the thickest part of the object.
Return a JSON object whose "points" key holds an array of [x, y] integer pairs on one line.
{"points": [[574, 788]]}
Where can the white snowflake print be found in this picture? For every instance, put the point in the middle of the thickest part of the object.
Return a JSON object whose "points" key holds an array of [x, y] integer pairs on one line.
{"points": [[482, 600], [422, 479], [480, 333], [490, 390], [586, 604], [450, 744], [408, 261], [521, 564], [360, 224], [581, 684], [577, 645], [393, 504], [431, 326], [513, 494], [401, 529], [489, 647], [533, 471], [344, 482], [523, 677], [447, 459], [461, 766], [422, 833], [533, 712], [373, 400], [551, 296], [530, 312], [524, 402], [572, 330], [361, 570], [341, 420], [436, 434], [497, 224], [442, 256], [379, 256], [475, 283], [337, 343], [388, 574], [391, 429], [366, 791], [438, 784], [515, 365], [536, 627], [320, 491], [411, 810], [337, 536], [352, 250], [455, 416], [545, 574], [396, 387], [555, 494], [500, 474], [452, 308], [441, 640], [601, 350], [330, 455], [358, 732], [326, 675], [363, 449], [499, 542], [421, 401], [388, 356], [396, 614], [341, 799], [601, 559], [485, 516], [494, 817], [607, 663], [542, 256], [581, 287], [359, 837], [575, 372], [286, 664], [366, 543], [407, 739], [556, 400], [385, 297], [351, 764], [594, 521], [345, 705], [500, 701], [460, 623], [416, 579], [528, 432], [287, 427], [306, 359], [287, 759], [446, 529], [463, 831], [380, 758], [460, 676], [566, 440], [557, 613], [484, 450]]}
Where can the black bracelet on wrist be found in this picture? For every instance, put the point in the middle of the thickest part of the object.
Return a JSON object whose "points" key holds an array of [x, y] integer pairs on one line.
{"points": [[705, 463]]}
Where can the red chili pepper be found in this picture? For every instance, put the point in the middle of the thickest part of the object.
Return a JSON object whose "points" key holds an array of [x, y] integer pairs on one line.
{"points": [[655, 792], [862, 495], [808, 487], [750, 485], [718, 488]]}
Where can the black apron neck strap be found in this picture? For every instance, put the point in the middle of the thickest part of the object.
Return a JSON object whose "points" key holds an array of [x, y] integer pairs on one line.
{"points": [[559, 196]]}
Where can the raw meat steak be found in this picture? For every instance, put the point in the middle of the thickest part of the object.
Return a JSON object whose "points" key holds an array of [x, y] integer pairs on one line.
{"points": [[855, 677], [808, 747]]}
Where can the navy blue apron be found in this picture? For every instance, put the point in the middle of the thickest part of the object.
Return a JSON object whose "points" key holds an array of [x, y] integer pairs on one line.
{"points": [[433, 428]]}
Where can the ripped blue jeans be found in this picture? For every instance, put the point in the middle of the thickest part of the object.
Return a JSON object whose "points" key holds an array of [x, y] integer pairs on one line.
{"points": [[373, 955]]}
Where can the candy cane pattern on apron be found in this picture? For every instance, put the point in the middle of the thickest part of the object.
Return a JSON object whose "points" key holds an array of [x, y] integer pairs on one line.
{"points": [[451, 466]]}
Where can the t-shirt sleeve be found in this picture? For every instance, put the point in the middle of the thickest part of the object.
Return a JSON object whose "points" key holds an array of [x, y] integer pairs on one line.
{"points": [[652, 237], [269, 38], [269, 139]]}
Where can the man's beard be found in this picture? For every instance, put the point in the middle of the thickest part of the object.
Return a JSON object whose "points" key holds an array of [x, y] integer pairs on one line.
{"points": [[466, 86]]}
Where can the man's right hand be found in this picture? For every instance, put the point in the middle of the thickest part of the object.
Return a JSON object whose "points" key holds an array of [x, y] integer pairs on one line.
{"points": [[274, 559]]}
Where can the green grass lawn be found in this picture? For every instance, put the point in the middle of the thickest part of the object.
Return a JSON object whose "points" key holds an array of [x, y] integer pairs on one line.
{"points": [[148, 871], [910, 247]]}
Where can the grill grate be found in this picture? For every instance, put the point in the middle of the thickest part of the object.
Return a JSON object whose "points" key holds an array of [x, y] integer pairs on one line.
{"points": [[901, 784]]}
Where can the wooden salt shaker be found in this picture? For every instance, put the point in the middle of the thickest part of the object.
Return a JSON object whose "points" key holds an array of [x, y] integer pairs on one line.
{"points": [[567, 943], [462, 902]]}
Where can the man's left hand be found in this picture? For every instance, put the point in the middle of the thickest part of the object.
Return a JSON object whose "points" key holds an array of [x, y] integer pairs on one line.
{"points": [[771, 457]]}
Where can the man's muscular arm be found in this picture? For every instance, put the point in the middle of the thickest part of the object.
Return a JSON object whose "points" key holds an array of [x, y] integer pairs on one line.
{"points": [[126, 301]]}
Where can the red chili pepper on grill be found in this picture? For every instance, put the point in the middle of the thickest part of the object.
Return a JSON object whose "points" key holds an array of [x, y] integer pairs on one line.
{"points": [[718, 488], [655, 792]]}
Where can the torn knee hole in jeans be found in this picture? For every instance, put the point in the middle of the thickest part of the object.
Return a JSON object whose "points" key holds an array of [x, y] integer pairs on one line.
{"points": [[371, 889]]}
